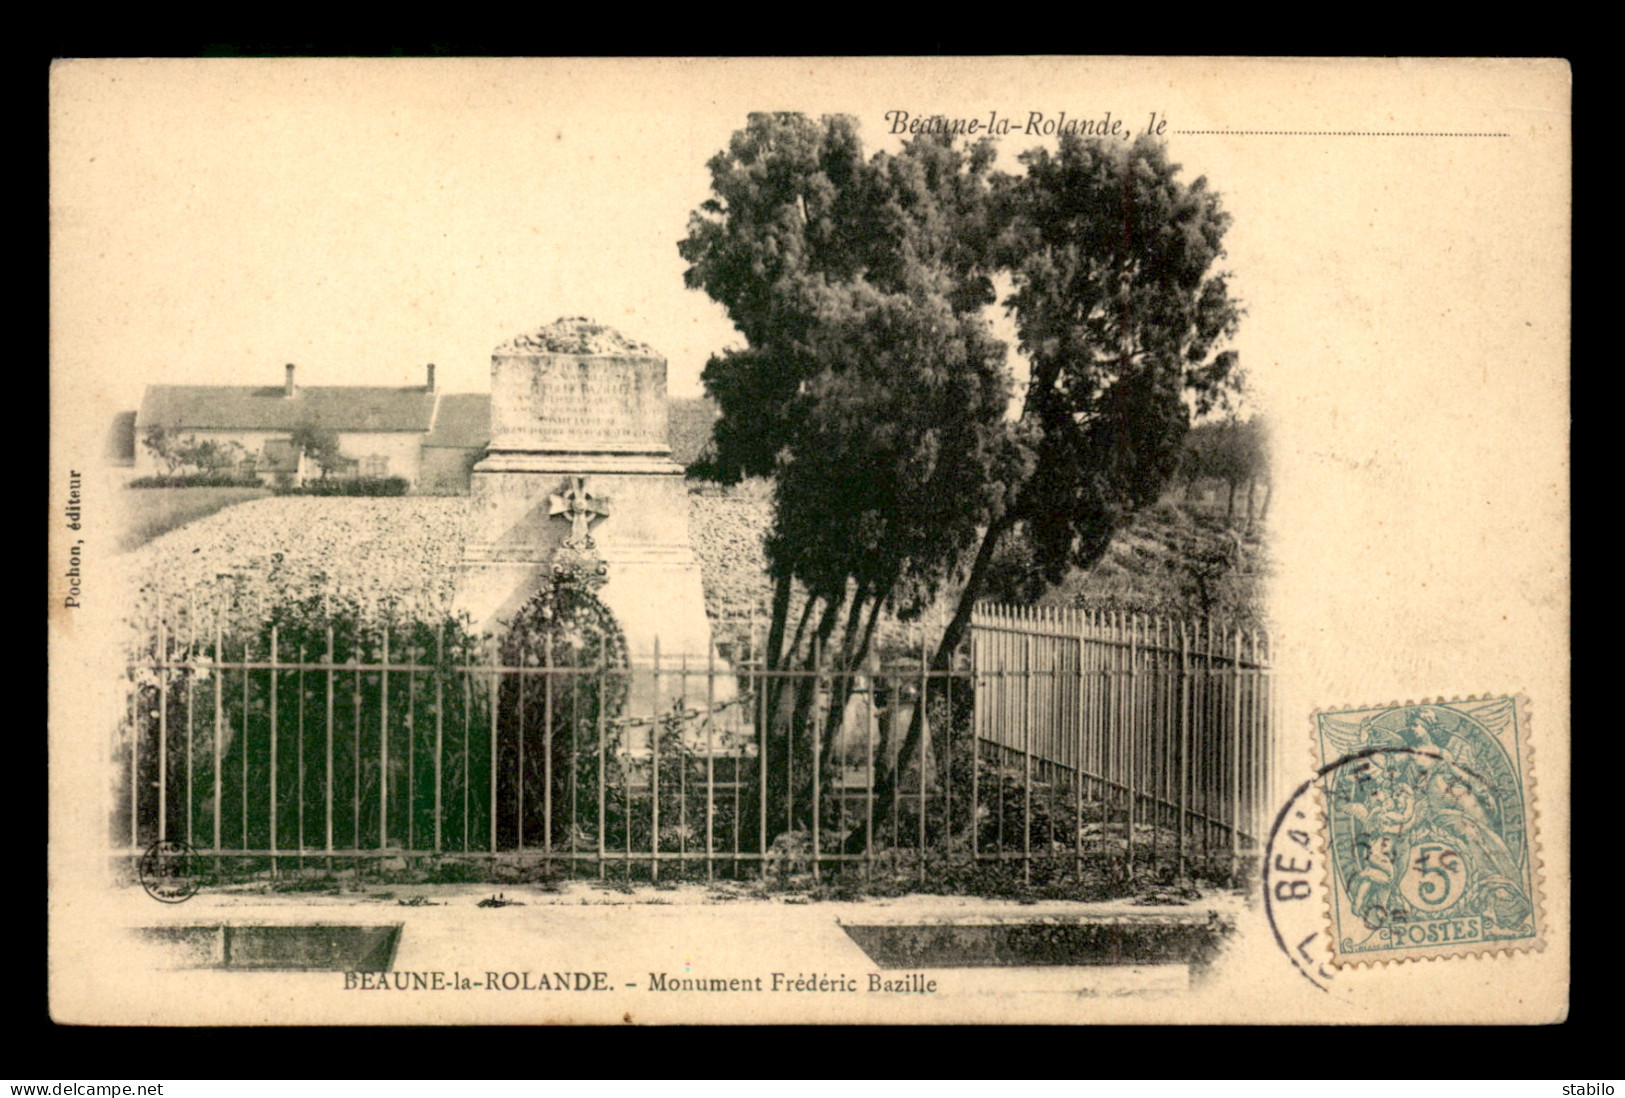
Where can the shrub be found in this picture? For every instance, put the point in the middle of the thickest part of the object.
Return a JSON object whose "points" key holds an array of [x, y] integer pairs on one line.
{"points": [[549, 723], [389, 741], [196, 480], [289, 730]]}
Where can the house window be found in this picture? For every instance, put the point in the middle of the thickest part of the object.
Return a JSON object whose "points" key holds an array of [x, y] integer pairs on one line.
{"points": [[375, 466]]}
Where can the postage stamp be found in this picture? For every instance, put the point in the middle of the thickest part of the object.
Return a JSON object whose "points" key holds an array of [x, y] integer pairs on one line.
{"points": [[1430, 821]]}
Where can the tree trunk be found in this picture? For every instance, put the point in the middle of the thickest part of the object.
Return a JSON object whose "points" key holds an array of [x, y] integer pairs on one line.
{"points": [[776, 691], [775, 630], [960, 622], [801, 725], [854, 616], [885, 791], [851, 660], [841, 682], [778, 687]]}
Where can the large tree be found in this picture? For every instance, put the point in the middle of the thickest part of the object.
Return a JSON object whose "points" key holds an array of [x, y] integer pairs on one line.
{"points": [[894, 466], [1123, 313], [870, 388]]}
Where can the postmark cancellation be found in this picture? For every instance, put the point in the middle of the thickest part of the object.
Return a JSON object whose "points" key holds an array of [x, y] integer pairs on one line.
{"points": [[1431, 829]]}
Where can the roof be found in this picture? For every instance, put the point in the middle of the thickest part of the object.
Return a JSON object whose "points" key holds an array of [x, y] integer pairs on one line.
{"points": [[463, 422], [266, 408]]}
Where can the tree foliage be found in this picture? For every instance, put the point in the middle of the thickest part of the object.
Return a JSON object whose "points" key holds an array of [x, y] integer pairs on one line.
{"points": [[161, 442], [887, 474], [872, 391], [1120, 312], [320, 444], [177, 452], [796, 218], [1233, 450]]}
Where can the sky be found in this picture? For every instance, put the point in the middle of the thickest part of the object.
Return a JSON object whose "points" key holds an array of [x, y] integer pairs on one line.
{"points": [[363, 218]]}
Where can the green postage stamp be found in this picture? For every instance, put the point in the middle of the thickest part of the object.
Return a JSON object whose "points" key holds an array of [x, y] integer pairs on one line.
{"points": [[1431, 829]]}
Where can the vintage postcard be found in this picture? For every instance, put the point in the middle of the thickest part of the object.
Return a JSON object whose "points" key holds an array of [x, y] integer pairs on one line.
{"points": [[1064, 540]]}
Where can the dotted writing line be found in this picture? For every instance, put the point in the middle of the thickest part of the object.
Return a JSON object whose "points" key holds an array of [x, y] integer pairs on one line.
{"points": [[1336, 133]]}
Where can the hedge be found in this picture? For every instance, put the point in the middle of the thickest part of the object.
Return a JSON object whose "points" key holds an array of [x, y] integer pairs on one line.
{"points": [[349, 486], [196, 480]]}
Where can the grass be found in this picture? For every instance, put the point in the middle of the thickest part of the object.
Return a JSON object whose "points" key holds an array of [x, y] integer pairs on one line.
{"points": [[151, 512]]}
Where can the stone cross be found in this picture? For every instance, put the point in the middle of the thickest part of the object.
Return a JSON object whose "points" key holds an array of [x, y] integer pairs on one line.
{"points": [[580, 507]]}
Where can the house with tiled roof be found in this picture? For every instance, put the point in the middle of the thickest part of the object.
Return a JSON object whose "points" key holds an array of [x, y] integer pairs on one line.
{"points": [[430, 438], [404, 431]]}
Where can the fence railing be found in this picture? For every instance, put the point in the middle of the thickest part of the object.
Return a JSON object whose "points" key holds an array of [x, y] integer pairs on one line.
{"points": [[1062, 749]]}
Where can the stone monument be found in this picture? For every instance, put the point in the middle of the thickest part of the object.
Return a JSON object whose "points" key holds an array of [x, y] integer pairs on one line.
{"points": [[579, 473]]}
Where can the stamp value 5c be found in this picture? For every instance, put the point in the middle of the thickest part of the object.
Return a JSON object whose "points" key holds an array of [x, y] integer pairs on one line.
{"points": [[1430, 821]]}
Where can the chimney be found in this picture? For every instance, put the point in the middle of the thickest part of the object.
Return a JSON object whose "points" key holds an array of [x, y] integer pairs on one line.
{"points": [[287, 387], [431, 377]]}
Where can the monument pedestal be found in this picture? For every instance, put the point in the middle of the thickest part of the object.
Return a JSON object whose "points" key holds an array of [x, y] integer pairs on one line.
{"points": [[579, 451], [654, 586]]}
